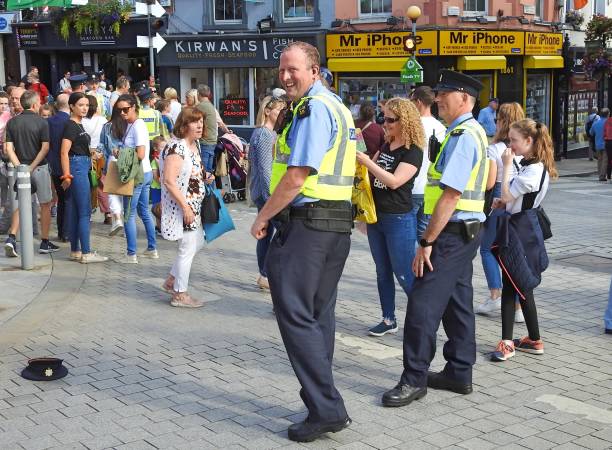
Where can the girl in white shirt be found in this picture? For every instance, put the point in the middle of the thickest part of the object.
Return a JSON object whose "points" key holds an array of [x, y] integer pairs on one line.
{"points": [[525, 190]]}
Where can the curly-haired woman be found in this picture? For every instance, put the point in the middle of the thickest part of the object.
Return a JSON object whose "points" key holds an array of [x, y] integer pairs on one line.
{"points": [[392, 238]]}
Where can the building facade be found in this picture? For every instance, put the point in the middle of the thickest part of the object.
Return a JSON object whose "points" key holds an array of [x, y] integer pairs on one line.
{"points": [[234, 47]]}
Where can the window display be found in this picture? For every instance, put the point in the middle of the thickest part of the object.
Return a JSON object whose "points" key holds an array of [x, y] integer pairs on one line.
{"points": [[356, 91], [537, 103], [232, 94], [579, 106]]}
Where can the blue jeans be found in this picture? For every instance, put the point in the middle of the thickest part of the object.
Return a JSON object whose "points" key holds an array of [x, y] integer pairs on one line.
{"points": [[392, 240], [78, 204], [489, 263], [608, 314], [140, 204], [263, 244], [422, 219], [207, 154]]}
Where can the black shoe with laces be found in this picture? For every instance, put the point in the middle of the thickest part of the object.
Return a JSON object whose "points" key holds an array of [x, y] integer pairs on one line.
{"points": [[47, 247], [308, 431], [403, 394]]}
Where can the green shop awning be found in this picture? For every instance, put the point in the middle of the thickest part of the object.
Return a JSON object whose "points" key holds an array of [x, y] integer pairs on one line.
{"points": [[25, 4]]}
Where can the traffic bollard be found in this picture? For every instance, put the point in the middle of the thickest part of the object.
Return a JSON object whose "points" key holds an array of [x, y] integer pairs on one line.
{"points": [[24, 198]]}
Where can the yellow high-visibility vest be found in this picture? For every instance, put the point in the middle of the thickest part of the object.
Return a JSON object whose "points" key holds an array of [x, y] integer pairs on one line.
{"points": [[152, 119], [334, 178], [473, 197]]}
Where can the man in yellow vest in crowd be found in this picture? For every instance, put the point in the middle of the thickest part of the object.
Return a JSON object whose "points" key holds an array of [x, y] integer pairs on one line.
{"points": [[442, 290], [150, 116], [311, 185]]}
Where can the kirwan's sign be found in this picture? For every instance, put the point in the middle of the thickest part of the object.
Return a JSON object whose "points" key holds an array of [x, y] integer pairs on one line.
{"points": [[226, 52]]}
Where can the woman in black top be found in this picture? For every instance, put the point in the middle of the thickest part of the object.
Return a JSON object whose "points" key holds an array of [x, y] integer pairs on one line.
{"points": [[392, 239], [76, 162]]}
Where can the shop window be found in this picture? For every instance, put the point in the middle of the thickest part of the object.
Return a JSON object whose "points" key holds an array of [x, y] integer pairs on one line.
{"points": [[228, 11], [374, 7], [298, 10], [475, 6], [354, 91], [537, 103], [232, 95], [266, 80]]}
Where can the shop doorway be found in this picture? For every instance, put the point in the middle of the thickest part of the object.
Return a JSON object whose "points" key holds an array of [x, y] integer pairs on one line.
{"points": [[488, 90]]}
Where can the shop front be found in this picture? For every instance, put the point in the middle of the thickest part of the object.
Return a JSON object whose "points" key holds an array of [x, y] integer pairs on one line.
{"points": [[515, 66], [240, 70], [41, 46], [367, 66]]}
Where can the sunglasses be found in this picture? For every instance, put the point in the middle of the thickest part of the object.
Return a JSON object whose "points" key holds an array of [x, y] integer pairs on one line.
{"points": [[391, 119], [125, 110]]}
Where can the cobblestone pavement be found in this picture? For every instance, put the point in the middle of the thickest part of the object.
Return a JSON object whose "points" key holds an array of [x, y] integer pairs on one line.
{"points": [[145, 375]]}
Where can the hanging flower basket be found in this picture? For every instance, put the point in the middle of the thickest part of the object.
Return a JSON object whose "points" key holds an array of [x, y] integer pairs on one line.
{"points": [[597, 65], [90, 18], [574, 18]]}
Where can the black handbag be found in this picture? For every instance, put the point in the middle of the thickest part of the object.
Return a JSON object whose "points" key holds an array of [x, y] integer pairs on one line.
{"points": [[210, 207]]}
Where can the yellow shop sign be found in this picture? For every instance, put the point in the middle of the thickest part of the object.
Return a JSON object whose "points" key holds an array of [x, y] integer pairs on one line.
{"points": [[460, 42], [373, 45], [543, 43]]}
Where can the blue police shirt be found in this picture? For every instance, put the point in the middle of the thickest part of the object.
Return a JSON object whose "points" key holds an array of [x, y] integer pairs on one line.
{"points": [[597, 131], [486, 118], [456, 162], [312, 136], [57, 122]]}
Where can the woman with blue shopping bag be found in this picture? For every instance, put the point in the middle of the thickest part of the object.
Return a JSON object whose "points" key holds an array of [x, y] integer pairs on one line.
{"points": [[183, 191]]}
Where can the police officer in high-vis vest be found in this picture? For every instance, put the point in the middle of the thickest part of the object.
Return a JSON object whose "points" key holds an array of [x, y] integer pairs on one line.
{"points": [[454, 195], [150, 116], [311, 185]]}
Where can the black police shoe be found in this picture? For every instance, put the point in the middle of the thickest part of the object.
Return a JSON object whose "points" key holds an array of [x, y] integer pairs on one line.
{"points": [[308, 431], [437, 380], [403, 394]]}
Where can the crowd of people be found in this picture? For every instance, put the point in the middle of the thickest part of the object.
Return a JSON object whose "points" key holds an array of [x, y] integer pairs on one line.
{"points": [[441, 188], [160, 150], [598, 128]]}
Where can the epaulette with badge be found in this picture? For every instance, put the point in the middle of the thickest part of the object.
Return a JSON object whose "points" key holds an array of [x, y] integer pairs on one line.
{"points": [[303, 110], [456, 132]]}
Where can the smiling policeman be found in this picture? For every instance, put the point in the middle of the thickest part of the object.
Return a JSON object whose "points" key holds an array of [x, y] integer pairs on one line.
{"points": [[311, 186]]}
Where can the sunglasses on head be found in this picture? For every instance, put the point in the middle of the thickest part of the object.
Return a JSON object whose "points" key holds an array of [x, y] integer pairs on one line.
{"points": [[391, 119], [125, 110]]}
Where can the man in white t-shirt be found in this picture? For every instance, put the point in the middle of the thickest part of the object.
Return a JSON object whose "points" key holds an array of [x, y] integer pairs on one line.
{"points": [[423, 97]]}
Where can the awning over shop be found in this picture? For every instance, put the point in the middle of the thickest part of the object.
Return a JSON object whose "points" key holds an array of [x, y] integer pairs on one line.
{"points": [[481, 62], [366, 64], [543, 62], [24, 4]]}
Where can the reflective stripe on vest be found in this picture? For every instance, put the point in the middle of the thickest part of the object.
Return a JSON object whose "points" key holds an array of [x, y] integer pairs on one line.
{"points": [[472, 198], [334, 179], [151, 120]]}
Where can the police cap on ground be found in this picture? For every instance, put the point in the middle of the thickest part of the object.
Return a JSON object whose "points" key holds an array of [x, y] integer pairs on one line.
{"points": [[44, 369], [77, 80], [451, 81]]}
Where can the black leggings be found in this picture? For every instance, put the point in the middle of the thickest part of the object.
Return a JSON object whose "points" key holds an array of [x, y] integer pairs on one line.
{"points": [[508, 307], [609, 152]]}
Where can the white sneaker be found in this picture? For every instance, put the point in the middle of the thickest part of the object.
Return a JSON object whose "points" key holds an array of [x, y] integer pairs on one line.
{"points": [[89, 258], [128, 259], [116, 227], [151, 254], [518, 316], [489, 306], [263, 283]]}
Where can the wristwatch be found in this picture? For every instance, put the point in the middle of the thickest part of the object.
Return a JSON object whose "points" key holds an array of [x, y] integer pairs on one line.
{"points": [[425, 243]]}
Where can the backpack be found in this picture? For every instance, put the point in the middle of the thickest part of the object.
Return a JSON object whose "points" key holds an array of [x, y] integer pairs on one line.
{"points": [[589, 125]]}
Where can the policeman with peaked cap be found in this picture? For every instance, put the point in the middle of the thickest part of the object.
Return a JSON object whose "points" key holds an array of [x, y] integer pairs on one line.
{"points": [[77, 82], [454, 196]]}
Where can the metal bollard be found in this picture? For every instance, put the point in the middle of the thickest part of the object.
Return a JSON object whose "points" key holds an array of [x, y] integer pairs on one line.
{"points": [[24, 198]]}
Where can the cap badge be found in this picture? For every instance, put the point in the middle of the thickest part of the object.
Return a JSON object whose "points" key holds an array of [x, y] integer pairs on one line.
{"points": [[48, 372]]}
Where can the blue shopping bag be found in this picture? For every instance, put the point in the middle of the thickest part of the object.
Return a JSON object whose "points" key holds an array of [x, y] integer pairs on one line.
{"points": [[213, 230]]}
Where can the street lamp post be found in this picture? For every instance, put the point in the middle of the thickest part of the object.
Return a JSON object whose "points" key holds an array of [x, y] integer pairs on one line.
{"points": [[413, 13]]}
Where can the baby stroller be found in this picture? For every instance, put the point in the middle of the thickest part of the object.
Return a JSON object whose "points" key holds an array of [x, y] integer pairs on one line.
{"points": [[230, 167]]}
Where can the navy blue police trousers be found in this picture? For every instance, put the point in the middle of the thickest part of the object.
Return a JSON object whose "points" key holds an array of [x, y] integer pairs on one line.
{"points": [[304, 267], [444, 295]]}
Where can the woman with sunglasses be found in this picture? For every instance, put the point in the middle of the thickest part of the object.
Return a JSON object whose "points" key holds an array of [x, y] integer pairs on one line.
{"points": [[76, 162], [137, 137], [392, 239]]}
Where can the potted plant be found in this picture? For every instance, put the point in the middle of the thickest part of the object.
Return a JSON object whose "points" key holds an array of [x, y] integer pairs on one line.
{"points": [[90, 18], [574, 18]]}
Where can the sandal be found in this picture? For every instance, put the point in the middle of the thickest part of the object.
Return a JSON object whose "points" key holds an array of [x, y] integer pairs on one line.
{"points": [[184, 300], [168, 285]]}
